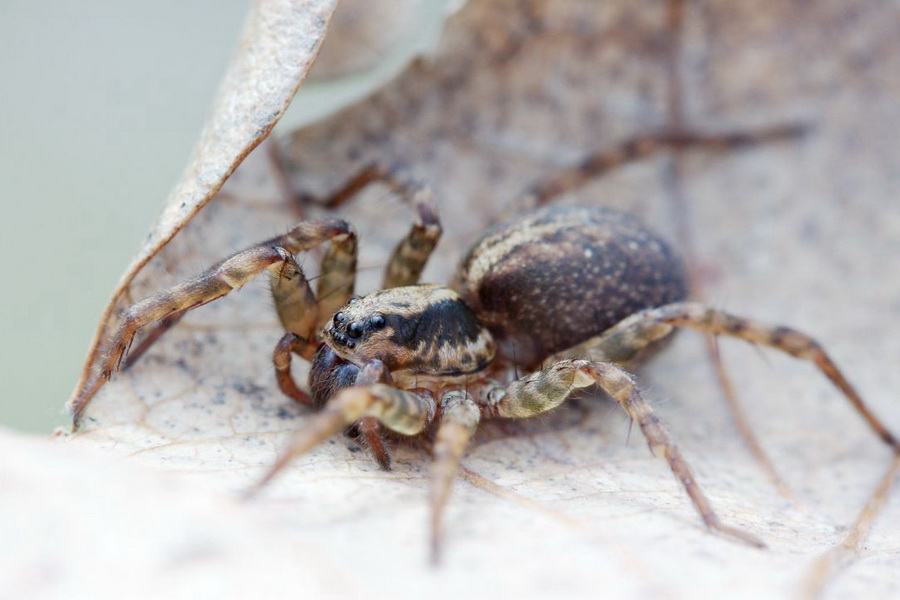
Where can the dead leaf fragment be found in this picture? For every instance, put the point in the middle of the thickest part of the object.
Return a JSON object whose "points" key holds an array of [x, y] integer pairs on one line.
{"points": [[364, 32], [280, 41]]}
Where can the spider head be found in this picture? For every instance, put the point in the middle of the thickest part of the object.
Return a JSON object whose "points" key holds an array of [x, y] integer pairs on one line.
{"points": [[357, 326], [420, 329], [390, 325]]}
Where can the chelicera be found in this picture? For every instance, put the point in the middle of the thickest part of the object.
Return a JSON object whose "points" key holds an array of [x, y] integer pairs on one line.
{"points": [[551, 301]]}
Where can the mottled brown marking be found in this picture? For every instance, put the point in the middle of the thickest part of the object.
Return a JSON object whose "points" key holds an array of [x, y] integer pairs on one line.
{"points": [[554, 277]]}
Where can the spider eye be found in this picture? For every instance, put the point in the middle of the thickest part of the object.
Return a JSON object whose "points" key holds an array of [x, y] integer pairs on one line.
{"points": [[339, 318], [377, 321], [355, 330]]}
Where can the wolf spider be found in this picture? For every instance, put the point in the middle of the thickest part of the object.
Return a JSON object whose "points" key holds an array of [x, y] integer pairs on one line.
{"points": [[583, 290]]}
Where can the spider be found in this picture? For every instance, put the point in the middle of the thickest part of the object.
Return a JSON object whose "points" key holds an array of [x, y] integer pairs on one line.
{"points": [[569, 295]]}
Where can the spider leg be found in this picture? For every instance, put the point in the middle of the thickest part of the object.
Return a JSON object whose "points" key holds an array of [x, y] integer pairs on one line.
{"points": [[624, 340], [148, 340], [367, 427], [298, 312], [281, 358], [739, 417], [412, 252], [544, 390], [302, 237], [302, 313], [410, 255], [637, 148], [459, 419], [220, 279], [294, 300], [405, 412], [370, 431], [338, 277]]}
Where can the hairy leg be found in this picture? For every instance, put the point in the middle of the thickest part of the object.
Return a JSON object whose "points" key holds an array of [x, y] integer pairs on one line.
{"points": [[232, 273], [547, 389], [338, 277], [304, 236], [411, 254], [623, 341], [294, 300], [298, 312], [398, 410], [370, 433], [148, 340], [637, 148], [367, 428], [459, 419], [289, 344]]}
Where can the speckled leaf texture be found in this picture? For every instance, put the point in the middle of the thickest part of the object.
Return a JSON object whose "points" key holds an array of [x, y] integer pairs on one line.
{"points": [[802, 232]]}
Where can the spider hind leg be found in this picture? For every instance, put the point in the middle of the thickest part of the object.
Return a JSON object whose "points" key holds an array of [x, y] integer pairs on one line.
{"points": [[634, 333], [546, 389]]}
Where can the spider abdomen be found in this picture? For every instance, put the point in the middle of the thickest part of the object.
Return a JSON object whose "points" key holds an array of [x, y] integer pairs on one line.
{"points": [[551, 278]]}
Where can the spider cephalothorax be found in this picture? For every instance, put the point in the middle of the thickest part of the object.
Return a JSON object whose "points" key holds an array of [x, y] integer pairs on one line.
{"points": [[417, 332], [425, 329], [570, 294]]}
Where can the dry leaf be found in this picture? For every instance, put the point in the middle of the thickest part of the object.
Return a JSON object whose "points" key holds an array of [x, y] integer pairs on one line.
{"points": [[803, 232], [280, 41], [364, 33], [369, 43]]}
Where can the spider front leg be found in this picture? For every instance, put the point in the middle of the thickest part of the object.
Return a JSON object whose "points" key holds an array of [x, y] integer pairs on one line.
{"points": [[300, 311], [547, 389], [289, 344], [220, 279], [411, 254], [623, 341], [459, 419], [336, 284], [401, 411], [297, 308], [338, 270]]}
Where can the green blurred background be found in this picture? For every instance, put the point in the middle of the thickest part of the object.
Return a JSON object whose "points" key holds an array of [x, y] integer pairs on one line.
{"points": [[100, 105]]}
